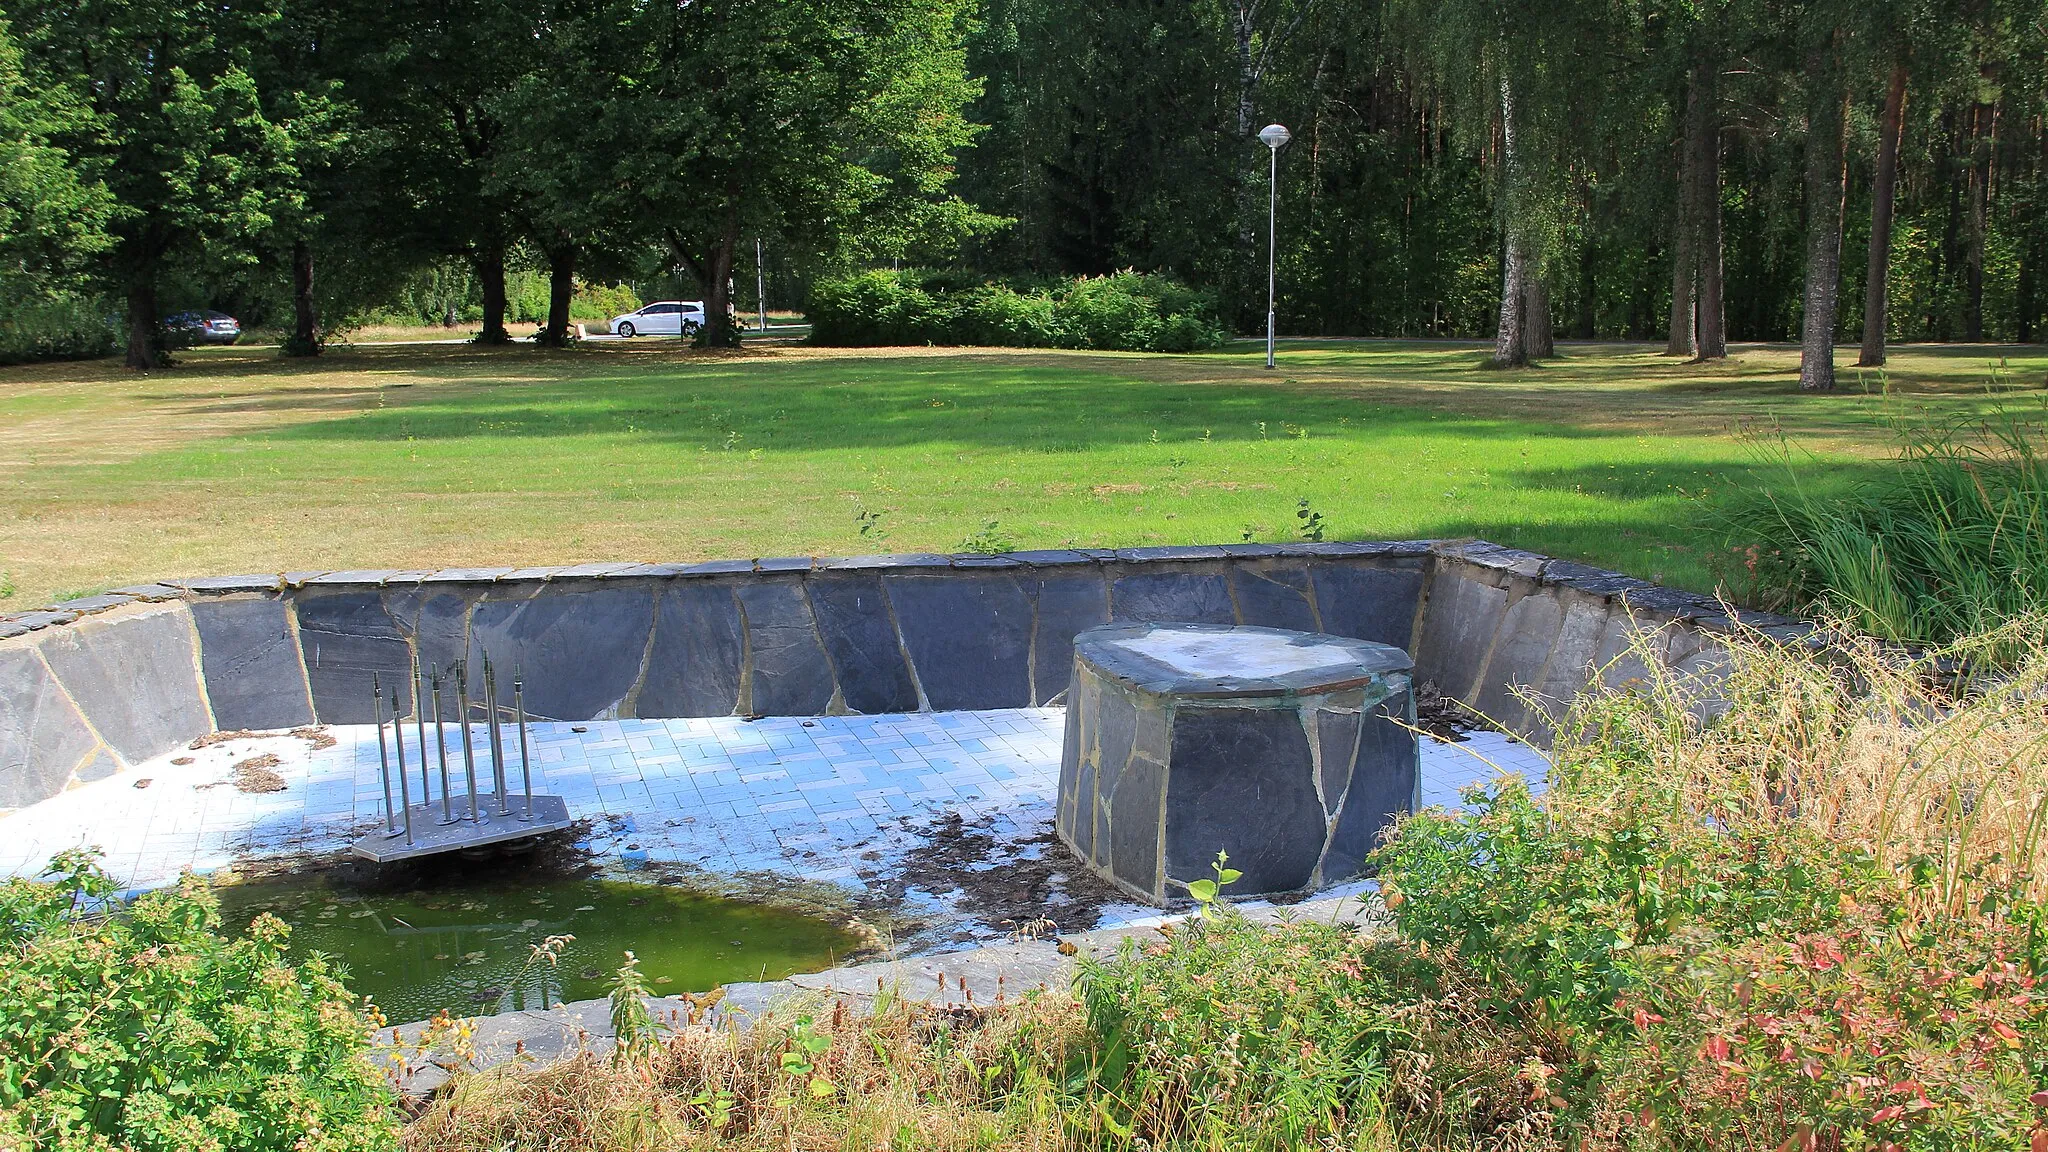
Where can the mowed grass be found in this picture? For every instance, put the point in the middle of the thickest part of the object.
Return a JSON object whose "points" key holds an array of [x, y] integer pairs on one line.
{"points": [[426, 457]]}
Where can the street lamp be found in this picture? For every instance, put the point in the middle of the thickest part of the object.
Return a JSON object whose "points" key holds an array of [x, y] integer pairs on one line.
{"points": [[1273, 136]]}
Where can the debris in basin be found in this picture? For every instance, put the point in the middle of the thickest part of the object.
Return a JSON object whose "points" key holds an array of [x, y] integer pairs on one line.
{"points": [[993, 882]]}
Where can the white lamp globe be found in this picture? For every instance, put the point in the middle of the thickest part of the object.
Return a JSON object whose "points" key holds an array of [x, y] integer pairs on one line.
{"points": [[1274, 135]]}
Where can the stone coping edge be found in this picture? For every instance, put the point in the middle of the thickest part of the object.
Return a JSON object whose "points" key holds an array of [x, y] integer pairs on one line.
{"points": [[1704, 611]]}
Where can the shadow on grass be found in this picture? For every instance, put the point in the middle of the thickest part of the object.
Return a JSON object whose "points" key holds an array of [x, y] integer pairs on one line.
{"points": [[879, 403]]}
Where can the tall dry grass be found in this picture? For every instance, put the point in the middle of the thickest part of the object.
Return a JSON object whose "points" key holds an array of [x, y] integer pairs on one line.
{"points": [[1937, 772], [901, 1076]]}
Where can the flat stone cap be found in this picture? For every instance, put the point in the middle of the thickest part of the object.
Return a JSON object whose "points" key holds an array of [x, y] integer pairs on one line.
{"points": [[1213, 660]]}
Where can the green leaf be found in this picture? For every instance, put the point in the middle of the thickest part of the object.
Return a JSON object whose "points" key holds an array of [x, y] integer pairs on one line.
{"points": [[1203, 891]]}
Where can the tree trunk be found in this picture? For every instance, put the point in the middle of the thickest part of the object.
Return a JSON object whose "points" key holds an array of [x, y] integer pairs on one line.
{"points": [[1825, 185], [719, 329], [305, 338], [145, 327], [1710, 311], [1589, 286], [1883, 195], [561, 289], [1510, 345], [1980, 193], [1538, 342], [1682, 339], [490, 274], [1713, 304]]}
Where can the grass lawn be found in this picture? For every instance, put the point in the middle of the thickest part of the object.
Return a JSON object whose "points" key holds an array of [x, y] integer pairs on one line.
{"points": [[424, 457]]}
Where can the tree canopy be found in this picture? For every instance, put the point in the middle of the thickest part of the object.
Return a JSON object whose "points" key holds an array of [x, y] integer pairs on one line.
{"points": [[1691, 171]]}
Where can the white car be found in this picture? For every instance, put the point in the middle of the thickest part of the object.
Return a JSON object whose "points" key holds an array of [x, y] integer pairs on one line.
{"points": [[661, 318]]}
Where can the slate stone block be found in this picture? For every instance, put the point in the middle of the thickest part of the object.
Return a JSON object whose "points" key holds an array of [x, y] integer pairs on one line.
{"points": [[260, 582], [437, 616], [101, 765], [1382, 787], [1082, 839], [1170, 552], [149, 591], [345, 638], [1052, 557], [374, 577], [1067, 606], [1569, 669], [1115, 729], [1528, 633], [578, 647], [468, 575], [1070, 784], [1336, 752], [969, 638], [1458, 628], [1367, 603], [592, 571], [1239, 782], [251, 661], [888, 561], [1172, 597], [693, 668], [135, 677], [43, 738], [860, 638], [84, 605], [788, 672], [1274, 597], [1134, 830], [1626, 648]]}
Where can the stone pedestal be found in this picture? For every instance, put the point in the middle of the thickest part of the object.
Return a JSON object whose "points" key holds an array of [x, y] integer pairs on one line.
{"points": [[1285, 749]]}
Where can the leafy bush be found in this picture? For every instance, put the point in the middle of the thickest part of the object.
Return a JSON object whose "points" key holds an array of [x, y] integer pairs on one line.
{"points": [[62, 327], [144, 1029], [1949, 540], [1128, 311], [1232, 1034], [1797, 904]]}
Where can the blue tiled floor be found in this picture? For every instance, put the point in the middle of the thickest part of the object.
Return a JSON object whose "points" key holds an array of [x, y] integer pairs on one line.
{"points": [[807, 798]]}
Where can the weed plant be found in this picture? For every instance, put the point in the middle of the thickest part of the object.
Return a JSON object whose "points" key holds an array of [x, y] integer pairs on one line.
{"points": [[1949, 541], [144, 1030], [1794, 904]]}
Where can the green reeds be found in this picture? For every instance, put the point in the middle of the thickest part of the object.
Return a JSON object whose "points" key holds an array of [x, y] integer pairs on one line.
{"points": [[1950, 541]]}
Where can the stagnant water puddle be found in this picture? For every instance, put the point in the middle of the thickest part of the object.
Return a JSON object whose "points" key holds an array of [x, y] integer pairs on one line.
{"points": [[468, 947]]}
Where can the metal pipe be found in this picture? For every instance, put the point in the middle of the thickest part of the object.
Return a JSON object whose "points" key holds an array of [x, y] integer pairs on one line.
{"points": [[404, 788], [525, 763], [497, 730], [468, 749], [441, 746], [1272, 248], [383, 753], [419, 723], [398, 739]]}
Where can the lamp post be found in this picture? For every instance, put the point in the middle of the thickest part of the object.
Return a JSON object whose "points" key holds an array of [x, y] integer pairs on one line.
{"points": [[1273, 136]]}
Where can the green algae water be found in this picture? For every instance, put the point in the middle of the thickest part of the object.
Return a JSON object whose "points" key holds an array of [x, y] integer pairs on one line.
{"points": [[469, 949]]}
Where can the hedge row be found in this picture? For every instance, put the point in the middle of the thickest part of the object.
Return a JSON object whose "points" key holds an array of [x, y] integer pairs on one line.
{"points": [[53, 328], [1126, 312]]}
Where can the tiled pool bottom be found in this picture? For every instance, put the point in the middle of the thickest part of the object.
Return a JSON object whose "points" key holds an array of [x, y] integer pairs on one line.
{"points": [[838, 799]]}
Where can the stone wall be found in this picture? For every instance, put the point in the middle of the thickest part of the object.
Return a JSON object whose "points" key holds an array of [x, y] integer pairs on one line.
{"points": [[90, 686]]}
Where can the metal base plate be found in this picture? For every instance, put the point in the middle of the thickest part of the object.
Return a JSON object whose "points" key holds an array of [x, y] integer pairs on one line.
{"points": [[431, 838]]}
